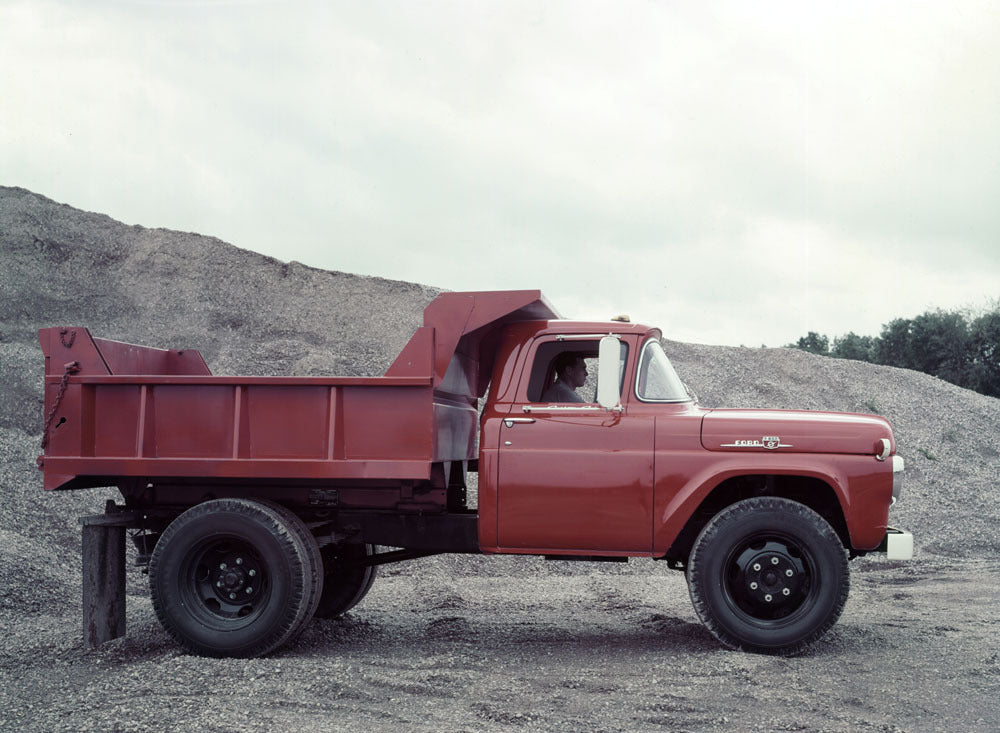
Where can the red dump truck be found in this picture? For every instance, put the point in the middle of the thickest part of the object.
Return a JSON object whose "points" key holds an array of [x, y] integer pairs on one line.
{"points": [[260, 502]]}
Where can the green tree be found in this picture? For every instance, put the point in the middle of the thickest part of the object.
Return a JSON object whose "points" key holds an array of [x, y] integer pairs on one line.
{"points": [[941, 346], [984, 341], [895, 344], [943, 343], [853, 346], [814, 343]]}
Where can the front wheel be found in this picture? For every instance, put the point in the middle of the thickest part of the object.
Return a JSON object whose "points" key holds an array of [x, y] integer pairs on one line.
{"points": [[233, 578], [768, 575]]}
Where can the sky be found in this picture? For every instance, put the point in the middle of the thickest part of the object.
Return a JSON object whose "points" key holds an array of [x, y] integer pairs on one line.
{"points": [[736, 173]]}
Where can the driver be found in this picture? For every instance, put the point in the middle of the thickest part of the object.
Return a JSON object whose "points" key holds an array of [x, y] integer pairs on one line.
{"points": [[571, 373]]}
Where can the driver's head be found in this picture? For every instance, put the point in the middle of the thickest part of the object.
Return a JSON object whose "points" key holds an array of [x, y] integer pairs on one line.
{"points": [[571, 369]]}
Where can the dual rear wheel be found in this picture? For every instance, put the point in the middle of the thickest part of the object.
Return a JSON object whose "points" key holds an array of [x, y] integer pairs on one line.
{"points": [[346, 578], [240, 578]]}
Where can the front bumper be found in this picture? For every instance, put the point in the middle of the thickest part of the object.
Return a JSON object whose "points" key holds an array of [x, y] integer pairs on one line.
{"points": [[897, 544], [898, 465]]}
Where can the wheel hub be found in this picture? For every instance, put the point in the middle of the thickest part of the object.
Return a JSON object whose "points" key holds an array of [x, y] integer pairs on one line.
{"points": [[235, 577], [769, 579], [772, 577]]}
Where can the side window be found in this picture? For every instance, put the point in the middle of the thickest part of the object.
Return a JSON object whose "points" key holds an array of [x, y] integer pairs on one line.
{"points": [[566, 372]]}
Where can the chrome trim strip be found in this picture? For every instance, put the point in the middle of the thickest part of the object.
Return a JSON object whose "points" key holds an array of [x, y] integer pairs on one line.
{"points": [[754, 443], [584, 336], [563, 408]]}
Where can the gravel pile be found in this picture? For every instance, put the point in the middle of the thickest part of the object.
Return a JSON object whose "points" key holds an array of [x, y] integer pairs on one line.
{"points": [[251, 314]]}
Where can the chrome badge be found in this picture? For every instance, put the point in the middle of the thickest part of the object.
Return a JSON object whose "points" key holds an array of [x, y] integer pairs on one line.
{"points": [[770, 442]]}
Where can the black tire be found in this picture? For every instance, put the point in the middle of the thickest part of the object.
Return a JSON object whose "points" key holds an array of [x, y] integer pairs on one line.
{"points": [[768, 575], [231, 578], [296, 525], [346, 581]]}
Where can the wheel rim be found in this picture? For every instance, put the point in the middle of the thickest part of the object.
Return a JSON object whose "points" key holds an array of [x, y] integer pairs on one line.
{"points": [[769, 579], [225, 582]]}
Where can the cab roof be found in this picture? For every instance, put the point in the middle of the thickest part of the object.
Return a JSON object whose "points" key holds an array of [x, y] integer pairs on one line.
{"points": [[468, 325]]}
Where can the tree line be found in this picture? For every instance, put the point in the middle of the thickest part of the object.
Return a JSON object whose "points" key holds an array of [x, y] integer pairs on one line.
{"points": [[956, 346]]}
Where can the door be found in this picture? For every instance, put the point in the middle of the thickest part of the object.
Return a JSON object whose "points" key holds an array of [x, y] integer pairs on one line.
{"points": [[573, 476]]}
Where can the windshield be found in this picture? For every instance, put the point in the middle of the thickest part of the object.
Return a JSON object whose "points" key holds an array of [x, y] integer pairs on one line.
{"points": [[657, 381]]}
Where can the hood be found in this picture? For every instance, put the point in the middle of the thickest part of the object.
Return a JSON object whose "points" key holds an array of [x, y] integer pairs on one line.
{"points": [[795, 432]]}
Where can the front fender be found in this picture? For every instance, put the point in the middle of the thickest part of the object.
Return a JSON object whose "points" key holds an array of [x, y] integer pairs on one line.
{"points": [[862, 486]]}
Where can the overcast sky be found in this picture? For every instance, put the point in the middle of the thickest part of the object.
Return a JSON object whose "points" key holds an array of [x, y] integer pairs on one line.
{"points": [[736, 173]]}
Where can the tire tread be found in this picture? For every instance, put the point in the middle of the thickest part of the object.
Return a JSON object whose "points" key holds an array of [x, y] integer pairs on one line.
{"points": [[290, 544], [715, 531]]}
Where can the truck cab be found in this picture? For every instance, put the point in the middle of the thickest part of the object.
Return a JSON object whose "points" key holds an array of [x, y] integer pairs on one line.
{"points": [[564, 478]]}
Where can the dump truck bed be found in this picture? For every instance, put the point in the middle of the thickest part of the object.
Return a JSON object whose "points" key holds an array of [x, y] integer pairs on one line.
{"points": [[187, 425], [118, 411]]}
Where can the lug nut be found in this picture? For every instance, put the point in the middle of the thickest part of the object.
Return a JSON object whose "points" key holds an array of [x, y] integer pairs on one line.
{"points": [[756, 566], [785, 592], [251, 572], [753, 586], [219, 584], [774, 561], [249, 589], [239, 561], [232, 596], [768, 598], [222, 566], [789, 572]]}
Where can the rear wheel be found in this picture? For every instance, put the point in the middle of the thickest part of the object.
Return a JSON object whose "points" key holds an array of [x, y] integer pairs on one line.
{"points": [[768, 575], [233, 578], [295, 524], [346, 579]]}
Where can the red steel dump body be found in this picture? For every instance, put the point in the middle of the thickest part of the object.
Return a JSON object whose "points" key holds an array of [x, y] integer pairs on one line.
{"points": [[119, 410]]}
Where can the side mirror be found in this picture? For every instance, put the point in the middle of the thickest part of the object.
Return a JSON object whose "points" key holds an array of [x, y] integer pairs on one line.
{"points": [[609, 373]]}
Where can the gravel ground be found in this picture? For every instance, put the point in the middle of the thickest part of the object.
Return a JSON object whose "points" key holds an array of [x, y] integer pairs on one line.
{"points": [[914, 651], [469, 643]]}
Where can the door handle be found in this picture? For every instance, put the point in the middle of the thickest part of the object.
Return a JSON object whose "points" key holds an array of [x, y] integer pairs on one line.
{"points": [[509, 421]]}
